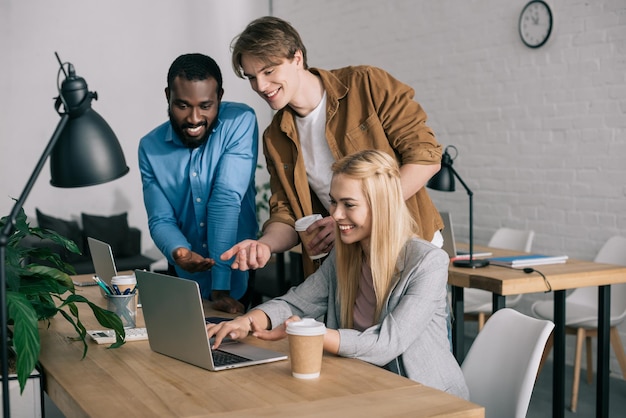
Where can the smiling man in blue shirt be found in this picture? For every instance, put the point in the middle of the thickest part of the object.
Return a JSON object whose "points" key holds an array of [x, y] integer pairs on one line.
{"points": [[197, 171]]}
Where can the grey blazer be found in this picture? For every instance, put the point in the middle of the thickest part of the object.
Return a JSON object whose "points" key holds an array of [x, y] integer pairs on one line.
{"points": [[413, 331]]}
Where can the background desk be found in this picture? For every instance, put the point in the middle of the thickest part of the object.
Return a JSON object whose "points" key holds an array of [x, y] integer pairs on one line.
{"points": [[503, 281], [135, 381]]}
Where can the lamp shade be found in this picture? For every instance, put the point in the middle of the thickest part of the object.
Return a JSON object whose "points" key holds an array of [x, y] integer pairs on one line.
{"points": [[444, 179], [87, 151]]}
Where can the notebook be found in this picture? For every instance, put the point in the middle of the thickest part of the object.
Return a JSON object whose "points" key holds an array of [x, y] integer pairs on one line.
{"points": [[103, 261], [526, 260], [449, 245], [174, 318]]}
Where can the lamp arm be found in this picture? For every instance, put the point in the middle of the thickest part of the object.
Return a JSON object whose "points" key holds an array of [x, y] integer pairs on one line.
{"points": [[471, 213], [5, 234], [469, 192]]}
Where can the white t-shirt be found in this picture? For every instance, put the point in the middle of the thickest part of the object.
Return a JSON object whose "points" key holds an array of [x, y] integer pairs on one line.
{"points": [[317, 156]]}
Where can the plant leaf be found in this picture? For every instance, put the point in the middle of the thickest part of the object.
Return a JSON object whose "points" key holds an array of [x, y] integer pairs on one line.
{"points": [[33, 290], [105, 318], [60, 277], [25, 335]]}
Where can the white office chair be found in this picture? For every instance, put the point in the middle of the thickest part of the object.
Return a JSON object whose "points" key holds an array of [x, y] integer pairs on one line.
{"points": [[581, 315], [478, 303], [501, 365]]}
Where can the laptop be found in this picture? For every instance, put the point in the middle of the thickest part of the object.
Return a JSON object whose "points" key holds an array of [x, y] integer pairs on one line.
{"points": [[174, 317], [102, 259], [449, 245]]}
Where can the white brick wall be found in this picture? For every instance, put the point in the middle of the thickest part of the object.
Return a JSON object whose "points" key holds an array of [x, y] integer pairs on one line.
{"points": [[541, 133]]}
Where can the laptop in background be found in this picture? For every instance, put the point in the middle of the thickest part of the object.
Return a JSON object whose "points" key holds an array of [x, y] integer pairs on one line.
{"points": [[449, 244], [174, 317], [102, 259]]}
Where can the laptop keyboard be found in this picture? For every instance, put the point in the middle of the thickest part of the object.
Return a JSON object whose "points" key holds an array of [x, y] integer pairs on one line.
{"points": [[222, 358]]}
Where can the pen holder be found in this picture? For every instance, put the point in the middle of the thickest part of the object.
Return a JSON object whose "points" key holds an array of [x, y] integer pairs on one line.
{"points": [[124, 306]]}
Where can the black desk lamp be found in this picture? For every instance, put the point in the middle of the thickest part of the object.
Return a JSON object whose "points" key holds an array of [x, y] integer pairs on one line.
{"points": [[84, 151], [444, 181]]}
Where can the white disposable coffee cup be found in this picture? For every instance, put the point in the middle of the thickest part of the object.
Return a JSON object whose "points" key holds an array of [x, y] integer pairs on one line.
{"points": [[306, 347], [124, 282], [301, 225]]}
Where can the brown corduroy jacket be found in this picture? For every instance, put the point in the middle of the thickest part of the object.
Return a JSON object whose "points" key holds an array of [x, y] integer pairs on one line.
{"points": [[366, 108]]}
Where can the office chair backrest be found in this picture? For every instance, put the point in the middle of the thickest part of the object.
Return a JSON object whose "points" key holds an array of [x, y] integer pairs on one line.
{"points": [[612, 252], [512, 239], [501, 365]]}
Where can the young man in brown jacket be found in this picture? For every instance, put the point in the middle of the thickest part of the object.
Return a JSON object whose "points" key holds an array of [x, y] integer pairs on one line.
{"points": [[321, 117]]}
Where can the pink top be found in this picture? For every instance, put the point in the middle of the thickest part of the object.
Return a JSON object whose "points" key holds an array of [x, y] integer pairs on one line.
{"points": [[365, 303]]}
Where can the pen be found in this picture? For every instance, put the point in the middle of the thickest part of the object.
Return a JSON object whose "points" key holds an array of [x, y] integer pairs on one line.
{"points": [[116, 290], [102, 285]]}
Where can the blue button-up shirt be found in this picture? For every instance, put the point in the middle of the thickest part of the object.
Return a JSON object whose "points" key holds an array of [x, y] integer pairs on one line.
{"points": [[203, 199]]}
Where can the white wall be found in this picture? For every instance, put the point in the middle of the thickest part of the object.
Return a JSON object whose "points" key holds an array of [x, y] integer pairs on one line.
{"points": [[123, 49], [541, 133]]}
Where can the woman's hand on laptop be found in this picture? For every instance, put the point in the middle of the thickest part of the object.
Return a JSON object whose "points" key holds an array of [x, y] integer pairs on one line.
{"points": [[191, 261], [252, 322], [236, 329]]}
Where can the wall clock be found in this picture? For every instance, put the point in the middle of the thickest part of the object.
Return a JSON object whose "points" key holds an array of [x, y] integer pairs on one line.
{"points": [[535, 23]]}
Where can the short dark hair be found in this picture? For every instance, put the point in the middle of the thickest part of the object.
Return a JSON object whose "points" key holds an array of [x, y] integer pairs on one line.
{"points": [[194, 67], [268, 38]]}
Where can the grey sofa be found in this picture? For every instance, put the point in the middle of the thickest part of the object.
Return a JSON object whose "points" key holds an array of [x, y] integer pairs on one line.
{"points": [[125, 241]]}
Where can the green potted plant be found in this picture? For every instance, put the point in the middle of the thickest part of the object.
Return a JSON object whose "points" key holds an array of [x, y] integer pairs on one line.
{"points": [[39, 287]]}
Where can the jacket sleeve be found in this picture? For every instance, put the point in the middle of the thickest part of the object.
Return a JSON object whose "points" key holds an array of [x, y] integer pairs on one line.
{"points": [[311, 299], [280, 209], [403, 119]]}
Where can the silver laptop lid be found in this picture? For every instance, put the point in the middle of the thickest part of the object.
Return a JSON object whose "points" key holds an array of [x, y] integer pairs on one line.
{"points": [[174, 317], [172, 311], [448, 235], [102, 258]]}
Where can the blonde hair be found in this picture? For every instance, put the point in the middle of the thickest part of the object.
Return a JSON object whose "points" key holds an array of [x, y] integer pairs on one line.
{"points": [[392, 226]]}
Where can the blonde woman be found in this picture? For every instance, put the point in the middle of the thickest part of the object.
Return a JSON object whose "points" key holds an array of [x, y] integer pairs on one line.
{"points": [[382, 290]]}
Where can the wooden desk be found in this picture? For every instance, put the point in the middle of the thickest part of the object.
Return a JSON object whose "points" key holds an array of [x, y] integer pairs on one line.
{"points": [[573, 274], [135, 381]]}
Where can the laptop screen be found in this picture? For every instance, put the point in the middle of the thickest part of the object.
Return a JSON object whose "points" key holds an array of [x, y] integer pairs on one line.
{"points": [[102, 258]]}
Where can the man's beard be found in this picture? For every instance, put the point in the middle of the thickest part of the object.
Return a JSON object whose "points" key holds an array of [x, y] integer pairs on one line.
{"points": [[187, 141]]}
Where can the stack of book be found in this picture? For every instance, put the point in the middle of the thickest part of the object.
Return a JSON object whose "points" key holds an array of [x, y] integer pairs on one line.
{"points": [[527, 260]]}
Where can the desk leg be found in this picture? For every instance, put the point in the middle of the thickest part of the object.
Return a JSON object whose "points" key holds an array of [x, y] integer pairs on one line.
{"points": [[604, 339], [558, 376], [499, 301], [458, 324]]}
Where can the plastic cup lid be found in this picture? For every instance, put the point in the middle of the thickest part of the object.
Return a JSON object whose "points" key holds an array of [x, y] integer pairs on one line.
{"points": [[303, 223], [306, 326], [129, 279]]}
